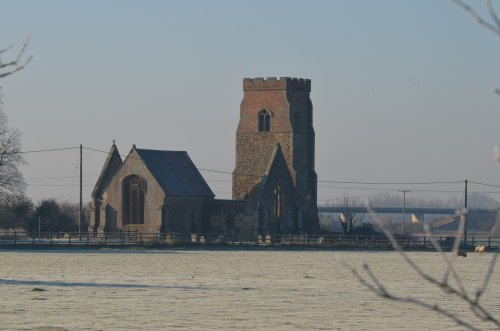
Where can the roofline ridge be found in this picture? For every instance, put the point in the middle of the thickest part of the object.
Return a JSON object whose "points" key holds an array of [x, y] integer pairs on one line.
{"points": [[159, 150]]}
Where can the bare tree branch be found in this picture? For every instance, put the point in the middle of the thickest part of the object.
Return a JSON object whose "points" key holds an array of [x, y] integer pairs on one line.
{"points": [[380, 290], [5, 50], [478, 18], [492, 12], [15, 65], [478, 310], [487, 277]]}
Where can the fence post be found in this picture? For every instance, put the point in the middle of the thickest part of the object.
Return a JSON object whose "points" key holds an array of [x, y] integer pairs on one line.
{"points": [[424, 241], [489, 242], [15, 237], [373, 240], [473, 245], [51, 235], [69, 239], [356, 241]]}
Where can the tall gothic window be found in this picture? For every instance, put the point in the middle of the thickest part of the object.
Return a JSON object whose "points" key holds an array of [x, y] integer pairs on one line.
{"points": [[278, 203], [264, 120], [134, 189]]}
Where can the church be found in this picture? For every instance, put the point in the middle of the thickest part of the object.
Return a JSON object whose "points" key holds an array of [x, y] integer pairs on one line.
{"points": [[274, 184]]}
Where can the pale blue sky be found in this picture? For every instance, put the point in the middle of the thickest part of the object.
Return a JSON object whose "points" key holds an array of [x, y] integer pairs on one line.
{"points": [[402, 90]]}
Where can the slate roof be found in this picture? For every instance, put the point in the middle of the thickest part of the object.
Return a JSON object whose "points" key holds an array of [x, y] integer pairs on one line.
{"points": [[175, 172]]}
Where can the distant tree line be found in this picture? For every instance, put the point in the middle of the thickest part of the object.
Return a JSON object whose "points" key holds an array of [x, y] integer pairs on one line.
{"points": [[23, 215]]}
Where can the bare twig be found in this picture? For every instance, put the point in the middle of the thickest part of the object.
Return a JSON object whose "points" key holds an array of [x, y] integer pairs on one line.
{"points": [[5, 50], [15, 65], [487, 277], [492, 12], [414, 266], [460, 292], [478, 18], [381, 291]]}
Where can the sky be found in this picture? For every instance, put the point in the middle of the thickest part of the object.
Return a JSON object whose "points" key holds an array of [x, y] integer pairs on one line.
{"points": [[402, 90]]}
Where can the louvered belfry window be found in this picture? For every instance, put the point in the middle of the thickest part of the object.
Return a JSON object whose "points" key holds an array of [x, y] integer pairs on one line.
{"points": [[264, 121]]}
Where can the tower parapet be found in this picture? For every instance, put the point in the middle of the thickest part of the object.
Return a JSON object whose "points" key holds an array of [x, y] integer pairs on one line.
{"points": [[274, 83]]}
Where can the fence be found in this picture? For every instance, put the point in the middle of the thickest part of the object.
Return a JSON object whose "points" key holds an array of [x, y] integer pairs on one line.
{"points": [[18, 239]]}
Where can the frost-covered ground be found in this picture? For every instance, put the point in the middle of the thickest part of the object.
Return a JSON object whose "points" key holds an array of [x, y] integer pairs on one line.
{"points": [[224, 290]]}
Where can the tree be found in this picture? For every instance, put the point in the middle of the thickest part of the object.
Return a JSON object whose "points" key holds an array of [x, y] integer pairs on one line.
{"points": [[349, 220], [54, 217], [451, 282], [11, 179], [16, 213], [12, 66]]}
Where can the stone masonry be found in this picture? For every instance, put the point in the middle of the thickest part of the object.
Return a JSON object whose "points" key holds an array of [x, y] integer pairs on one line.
{"points": [[288, 101]]}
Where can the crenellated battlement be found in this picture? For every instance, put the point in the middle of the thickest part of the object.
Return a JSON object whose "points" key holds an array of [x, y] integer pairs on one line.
{"points": [[274, 83]]}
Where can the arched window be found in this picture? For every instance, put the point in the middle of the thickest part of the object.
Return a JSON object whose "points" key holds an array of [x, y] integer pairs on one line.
{"points": [[134, 189], [277, 203], [264, 120]]}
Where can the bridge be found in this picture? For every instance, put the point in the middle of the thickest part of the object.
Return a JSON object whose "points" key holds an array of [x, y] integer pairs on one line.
{"points": [[399, 210]]}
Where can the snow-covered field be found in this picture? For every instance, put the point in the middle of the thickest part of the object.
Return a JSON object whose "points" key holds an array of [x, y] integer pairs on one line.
{"points": [[224, 290]]}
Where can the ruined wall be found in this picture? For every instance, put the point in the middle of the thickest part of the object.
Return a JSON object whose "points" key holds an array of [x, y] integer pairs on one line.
{"points": [[233, 217], [186, 214]]}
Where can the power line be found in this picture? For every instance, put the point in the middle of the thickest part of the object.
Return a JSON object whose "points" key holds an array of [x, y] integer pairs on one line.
{"points": [[175, 165], [386, 189], [390, 183], [41, 150], [55, 177], [484, 184], [58, 185], [257, 175]]}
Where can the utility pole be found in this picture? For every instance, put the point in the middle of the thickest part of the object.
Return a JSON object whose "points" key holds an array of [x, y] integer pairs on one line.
{"points": [[465, 216], [404, 206], [80, 211], [39, 226]]}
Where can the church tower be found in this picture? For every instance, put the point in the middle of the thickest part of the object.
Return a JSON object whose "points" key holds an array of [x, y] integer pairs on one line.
{"points": [[277, 112]]}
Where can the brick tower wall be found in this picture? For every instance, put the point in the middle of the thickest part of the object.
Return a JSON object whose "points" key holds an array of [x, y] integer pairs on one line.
{"points": [[288, 100]]}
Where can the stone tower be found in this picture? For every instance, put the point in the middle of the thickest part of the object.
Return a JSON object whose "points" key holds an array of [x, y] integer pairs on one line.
{"points": [[277, 112]]}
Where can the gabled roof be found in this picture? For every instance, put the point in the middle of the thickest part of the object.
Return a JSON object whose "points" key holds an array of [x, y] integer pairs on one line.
{"points": [[276, 160], [175, 172], [277, 168], [111, 165]]}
